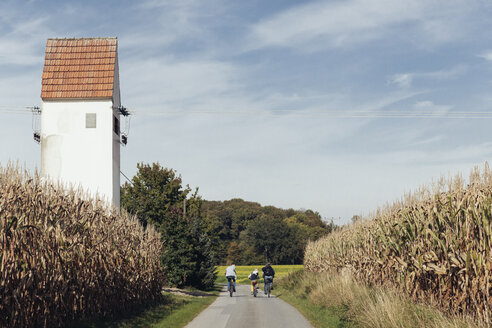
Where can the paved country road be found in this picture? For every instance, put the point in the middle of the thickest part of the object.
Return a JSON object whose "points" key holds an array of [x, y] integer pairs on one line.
{"points": [[242, 310]]}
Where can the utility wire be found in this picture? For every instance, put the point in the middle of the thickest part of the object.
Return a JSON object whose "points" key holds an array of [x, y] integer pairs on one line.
{"points": [[334, 114], [20, 109], [126, 178], [15, 111], [297, 113], [13, 106]]}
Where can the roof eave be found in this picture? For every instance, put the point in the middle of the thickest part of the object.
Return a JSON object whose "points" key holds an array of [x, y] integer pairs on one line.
{"points": [[88, 98]]}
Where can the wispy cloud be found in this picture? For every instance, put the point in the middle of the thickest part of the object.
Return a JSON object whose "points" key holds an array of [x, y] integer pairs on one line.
{"points": [[487, 55], [468, 153], [402, 80], [178, 85], [431, 140], [23, 35], [405, 80], [428, 106], [328, 24], [20, 43], [167, 23], [172, 84]]}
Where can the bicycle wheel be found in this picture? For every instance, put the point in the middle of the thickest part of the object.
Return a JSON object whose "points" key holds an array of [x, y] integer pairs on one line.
{"points": [[268, 288], [254, 291], [230, 286]]}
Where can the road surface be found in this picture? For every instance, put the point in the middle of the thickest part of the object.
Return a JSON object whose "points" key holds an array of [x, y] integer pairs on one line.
{"points": [[242, 310]]}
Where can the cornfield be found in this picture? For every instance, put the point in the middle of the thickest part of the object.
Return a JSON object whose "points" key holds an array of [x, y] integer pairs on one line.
{"points": [[433, 244], [63, 256]]}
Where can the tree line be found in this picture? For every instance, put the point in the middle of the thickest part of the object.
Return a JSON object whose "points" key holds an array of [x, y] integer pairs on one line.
{"points": [[247, 233], [198, 234]]}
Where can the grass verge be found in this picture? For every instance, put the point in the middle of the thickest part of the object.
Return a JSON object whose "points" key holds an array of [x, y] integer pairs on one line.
{"points": [[172, 311], [336, 300], [294, 290], [243, 272]]}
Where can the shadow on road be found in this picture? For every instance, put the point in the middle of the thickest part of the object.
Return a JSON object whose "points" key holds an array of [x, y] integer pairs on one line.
{"points": [[185, 292]]}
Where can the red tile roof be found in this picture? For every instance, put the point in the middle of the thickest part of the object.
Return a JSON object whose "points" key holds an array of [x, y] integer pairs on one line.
{"points": [[79, 68]]}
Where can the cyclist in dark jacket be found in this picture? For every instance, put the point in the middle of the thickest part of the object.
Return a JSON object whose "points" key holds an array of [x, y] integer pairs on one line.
{"points": [[268, 274]]}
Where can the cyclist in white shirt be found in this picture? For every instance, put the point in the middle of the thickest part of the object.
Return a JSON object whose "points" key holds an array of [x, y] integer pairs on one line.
{"points": [[231, 276]]}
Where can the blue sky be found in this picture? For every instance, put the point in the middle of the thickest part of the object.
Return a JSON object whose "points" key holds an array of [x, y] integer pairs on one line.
{"points": [[263, 100]]}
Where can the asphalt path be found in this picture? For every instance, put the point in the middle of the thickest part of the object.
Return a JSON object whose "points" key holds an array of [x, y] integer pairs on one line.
{"points": [[242, 310]]}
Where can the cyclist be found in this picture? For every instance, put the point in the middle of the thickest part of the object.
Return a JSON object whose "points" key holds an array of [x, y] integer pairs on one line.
{"points": [[231, 275], [253, 276], [268, 274]]}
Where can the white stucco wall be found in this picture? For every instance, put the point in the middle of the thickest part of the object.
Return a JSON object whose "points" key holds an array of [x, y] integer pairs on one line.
{"points": [[116, 138], [74, 154]]}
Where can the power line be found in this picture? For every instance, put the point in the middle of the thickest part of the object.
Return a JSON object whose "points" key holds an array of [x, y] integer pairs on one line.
{"points": [[289, 112], [13, 106], [126, 178], [15, 111], [20, 109], [334, 114]]}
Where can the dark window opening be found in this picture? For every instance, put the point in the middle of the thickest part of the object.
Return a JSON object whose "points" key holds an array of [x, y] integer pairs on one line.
{"points": [[116, 125]]}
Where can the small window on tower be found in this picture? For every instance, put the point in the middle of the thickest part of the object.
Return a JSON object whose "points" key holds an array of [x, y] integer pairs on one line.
{"points": [[116, 125], [90, 120]]}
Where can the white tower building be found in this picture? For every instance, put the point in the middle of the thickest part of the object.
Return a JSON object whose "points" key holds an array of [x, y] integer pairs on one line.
{"points": [[80, 119]]}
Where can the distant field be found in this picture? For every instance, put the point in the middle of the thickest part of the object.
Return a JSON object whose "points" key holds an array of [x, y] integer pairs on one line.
{"points": [[243, 272]]}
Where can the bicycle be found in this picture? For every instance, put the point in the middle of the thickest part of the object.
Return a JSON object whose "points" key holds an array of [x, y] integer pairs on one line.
{"points": [[230, 285], [255, 290], [268, 284]]}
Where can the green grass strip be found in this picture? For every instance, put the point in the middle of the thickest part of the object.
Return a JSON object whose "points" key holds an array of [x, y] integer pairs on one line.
{"points": [[289, 290], [318, 316], [190, 307], [173, 311]]}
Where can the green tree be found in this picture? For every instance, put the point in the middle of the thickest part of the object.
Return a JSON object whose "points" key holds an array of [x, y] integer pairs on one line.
{"points": [[309, 228], [177, 256], [228, 221], [152, 193], [249, 254], [275, 239], [233, 252], [156, 196]]}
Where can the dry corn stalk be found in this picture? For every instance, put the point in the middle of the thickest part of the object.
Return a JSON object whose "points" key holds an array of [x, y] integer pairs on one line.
{"points": [[63, 256], [435, 245]]}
